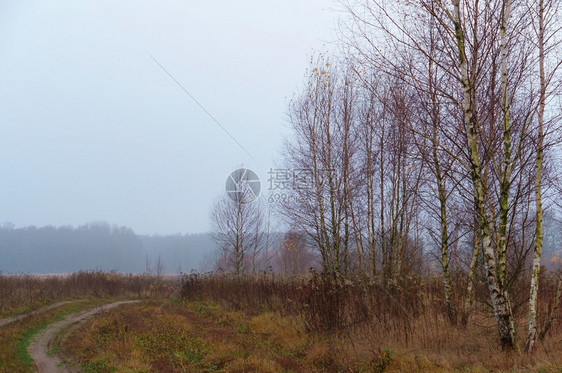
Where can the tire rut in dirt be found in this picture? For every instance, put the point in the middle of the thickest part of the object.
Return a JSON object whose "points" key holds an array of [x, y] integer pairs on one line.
{"points": [[43, 342]]}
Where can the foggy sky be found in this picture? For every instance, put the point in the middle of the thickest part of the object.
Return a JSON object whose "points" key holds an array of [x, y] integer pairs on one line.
{"points": [[91, 128]]}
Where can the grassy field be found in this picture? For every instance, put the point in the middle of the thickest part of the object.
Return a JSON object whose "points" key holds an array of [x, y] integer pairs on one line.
{"points": [[188, 337], [269, 323]]}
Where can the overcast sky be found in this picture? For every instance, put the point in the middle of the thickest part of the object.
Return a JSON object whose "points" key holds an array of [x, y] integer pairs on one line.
{"points": [[91, 128]]}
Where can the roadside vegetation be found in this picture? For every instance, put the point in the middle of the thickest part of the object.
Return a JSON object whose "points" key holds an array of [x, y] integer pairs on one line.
{"points": [[27, 296], [17, 336], [23, 292], [317, 322]]}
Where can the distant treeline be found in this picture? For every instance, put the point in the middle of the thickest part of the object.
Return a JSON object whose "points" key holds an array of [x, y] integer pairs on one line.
{"points": [[99, 246]]}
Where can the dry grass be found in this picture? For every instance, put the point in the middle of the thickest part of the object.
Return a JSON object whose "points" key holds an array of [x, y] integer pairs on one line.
{"points": [[186, 337], [267, 323], [357, 324], [21, 293]]}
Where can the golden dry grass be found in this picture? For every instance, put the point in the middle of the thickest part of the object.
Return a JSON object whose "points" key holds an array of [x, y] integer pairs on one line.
{"points": [[355, 324], [186, 337], [299, 324], [202, 336]]}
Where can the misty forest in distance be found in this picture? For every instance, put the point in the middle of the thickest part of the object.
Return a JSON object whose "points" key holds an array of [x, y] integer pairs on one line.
{"points": [[99, 246]]}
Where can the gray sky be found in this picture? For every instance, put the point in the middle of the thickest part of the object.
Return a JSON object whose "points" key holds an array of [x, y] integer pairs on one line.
{"points": [[92, 129]]}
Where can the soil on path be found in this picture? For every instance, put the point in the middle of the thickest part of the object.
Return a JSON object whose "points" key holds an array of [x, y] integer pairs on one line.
{"points": [[44, 341]]}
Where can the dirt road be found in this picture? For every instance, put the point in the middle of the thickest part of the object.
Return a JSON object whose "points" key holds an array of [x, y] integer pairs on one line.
{"points": [[9, 320], [43, 342]]}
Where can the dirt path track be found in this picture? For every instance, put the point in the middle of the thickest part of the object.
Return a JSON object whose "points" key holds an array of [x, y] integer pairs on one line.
{"points": [[9, 320], [43, 342]]}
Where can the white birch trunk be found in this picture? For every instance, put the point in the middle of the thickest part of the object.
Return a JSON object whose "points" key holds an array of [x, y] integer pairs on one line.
{"points": [[500, 303], [537, 252]]}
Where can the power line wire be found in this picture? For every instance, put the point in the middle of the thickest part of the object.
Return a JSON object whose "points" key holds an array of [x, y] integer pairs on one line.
{"points": [[201, 106]]}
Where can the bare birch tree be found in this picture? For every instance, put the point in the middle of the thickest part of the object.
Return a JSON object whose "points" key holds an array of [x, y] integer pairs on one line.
{"points": [[321, 159], [544, 13], [237, 223], [482, 47]]}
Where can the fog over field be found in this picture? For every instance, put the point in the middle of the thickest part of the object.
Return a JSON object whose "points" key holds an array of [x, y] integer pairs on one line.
{"points": [[92, 128]]}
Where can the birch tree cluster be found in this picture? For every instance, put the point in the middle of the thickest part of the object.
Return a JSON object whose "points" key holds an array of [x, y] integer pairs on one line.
{"points": [[435, 131]]}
